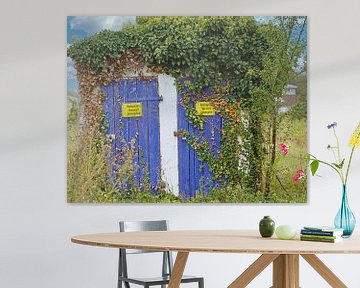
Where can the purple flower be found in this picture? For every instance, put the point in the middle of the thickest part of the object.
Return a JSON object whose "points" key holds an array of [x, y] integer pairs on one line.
{"points": [[332, 125]]}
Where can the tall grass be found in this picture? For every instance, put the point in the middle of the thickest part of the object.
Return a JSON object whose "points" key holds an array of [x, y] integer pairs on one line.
{"points": [[292, 132], [88, 167], [94, 176]]}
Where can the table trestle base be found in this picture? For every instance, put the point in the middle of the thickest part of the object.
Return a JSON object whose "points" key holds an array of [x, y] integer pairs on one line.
{"points": [[286, 271]]}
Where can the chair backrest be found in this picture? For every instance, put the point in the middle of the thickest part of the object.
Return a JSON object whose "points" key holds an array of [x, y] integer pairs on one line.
{"points": [[134, 226]]}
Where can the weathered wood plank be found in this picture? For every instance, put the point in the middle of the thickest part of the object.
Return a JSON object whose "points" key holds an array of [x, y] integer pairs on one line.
{"points": [[144, 147], [183, 151], [197, 176], [154, 134]]}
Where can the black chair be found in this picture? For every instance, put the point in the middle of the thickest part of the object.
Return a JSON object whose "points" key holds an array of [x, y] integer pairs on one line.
{"points": [[167, 265]]}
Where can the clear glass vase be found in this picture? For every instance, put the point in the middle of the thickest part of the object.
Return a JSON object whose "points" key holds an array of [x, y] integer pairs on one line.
{"points": [[345, 219]]}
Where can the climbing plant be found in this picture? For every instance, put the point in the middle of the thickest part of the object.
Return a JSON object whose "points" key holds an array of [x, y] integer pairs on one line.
{"points": [[232, 55]]}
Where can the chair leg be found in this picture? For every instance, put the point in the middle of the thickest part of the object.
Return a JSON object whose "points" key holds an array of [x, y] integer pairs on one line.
{"points": [[126, 284], [201, 283]]}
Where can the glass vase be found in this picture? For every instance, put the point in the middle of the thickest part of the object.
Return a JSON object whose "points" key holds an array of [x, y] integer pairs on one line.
{"points": [[345, 219]]}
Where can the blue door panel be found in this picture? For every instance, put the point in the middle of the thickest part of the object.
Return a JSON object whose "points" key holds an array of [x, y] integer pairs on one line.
{"points": [[184, 154], [144, 136], [194, 175], [121, 124], [129, 94], [149, 97], [154, 132], [141, 134]]}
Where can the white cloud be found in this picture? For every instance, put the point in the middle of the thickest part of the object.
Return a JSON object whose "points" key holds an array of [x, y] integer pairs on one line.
{"points": [[71, 71], [94, 24]]}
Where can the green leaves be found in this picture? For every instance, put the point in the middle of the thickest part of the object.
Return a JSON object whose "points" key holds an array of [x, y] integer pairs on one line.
{"points": [[209, 50], [276, 162], [314, 165], [200, 46], [339, 166]]}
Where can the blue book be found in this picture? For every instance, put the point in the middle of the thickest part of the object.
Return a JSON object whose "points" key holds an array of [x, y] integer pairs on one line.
{"points": [[322, 231]]}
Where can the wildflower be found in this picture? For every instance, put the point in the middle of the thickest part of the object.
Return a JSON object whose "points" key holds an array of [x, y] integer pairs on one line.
{"points": [[338, 165], [298, 175], [284, 149], [332, 125], [355, 138]]}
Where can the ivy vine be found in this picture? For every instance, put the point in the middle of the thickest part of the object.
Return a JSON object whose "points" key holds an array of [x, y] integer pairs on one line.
{"points": [[209, 50]]}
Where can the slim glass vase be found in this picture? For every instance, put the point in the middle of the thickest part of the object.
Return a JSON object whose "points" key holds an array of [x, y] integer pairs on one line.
{"points": [[345, 219]]}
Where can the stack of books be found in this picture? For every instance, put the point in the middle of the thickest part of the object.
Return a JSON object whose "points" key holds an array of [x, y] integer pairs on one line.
{"points": [[321, 234]]}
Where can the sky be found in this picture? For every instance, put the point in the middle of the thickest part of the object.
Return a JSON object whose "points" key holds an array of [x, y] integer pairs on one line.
{"points": [[79, 27]]}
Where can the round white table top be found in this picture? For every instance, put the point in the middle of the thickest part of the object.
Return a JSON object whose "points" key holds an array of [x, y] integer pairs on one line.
{"points": [[220, 241]]}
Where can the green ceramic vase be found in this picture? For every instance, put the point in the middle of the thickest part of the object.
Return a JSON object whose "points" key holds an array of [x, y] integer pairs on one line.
{"points": [[266, 227]]}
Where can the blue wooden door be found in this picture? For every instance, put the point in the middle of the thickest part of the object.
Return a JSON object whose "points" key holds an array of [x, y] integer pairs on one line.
{"points": [[195, 176], [135, 140]]}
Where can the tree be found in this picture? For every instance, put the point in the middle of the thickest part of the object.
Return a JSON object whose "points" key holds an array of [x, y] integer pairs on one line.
{"points": [[283, 65]]}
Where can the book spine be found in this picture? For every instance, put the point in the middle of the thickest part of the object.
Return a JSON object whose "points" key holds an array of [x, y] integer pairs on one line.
{"points": [[320, 233], [319, 236], [317, 239]]}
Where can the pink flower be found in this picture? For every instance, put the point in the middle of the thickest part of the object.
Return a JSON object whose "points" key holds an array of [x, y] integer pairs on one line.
{"points": [[284, 149], [298, 175]]}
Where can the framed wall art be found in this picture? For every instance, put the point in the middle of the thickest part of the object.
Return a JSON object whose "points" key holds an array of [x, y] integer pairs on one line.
{"points": [[165, 109]]}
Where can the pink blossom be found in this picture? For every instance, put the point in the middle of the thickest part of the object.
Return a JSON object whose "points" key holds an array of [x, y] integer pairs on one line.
{"points": [[298, 175], [284, 149]]}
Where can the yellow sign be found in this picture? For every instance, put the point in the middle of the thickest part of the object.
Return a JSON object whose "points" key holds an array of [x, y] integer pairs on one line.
{"points": [[131, 110], [204, 109]]}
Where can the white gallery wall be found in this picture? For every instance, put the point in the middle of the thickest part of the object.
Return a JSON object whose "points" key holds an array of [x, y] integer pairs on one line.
{"points": [[36, 223]]}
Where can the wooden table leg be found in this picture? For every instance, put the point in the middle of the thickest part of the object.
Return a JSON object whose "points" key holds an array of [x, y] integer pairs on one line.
{"points": [[178, 270], [253, 270], [286, 271], [293, 264], [324, 271]]}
